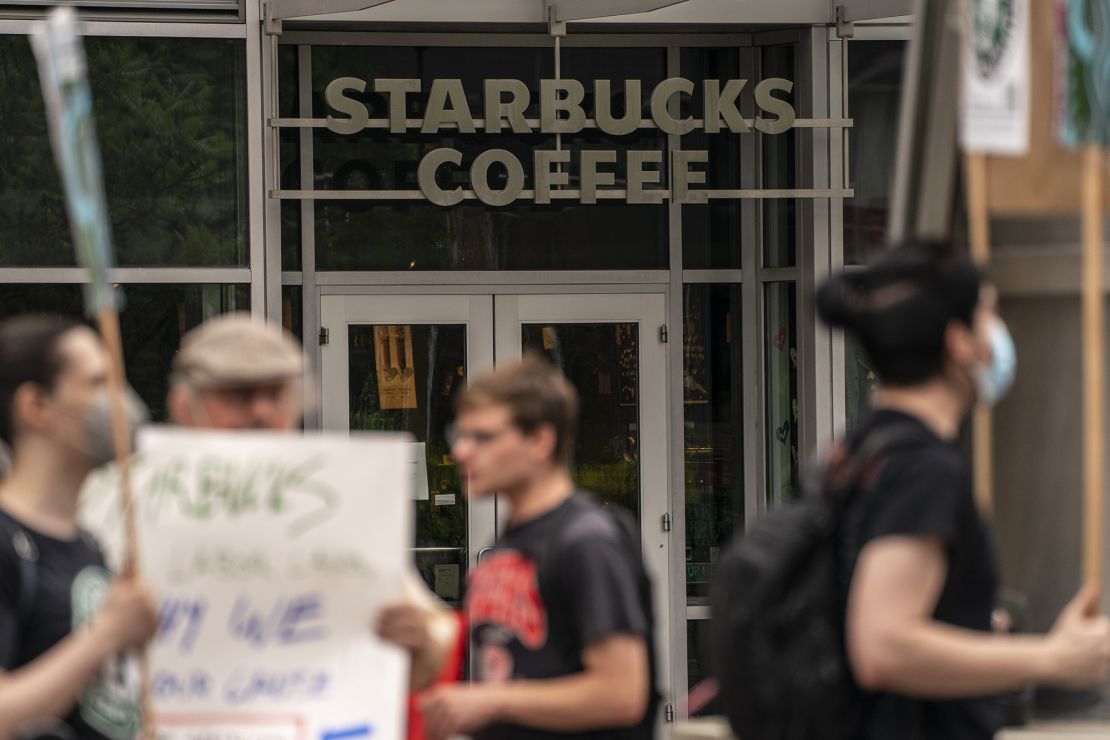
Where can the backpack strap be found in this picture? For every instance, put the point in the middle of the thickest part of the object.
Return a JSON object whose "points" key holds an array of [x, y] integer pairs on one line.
{"points": [[850, 482], [27, 553]]}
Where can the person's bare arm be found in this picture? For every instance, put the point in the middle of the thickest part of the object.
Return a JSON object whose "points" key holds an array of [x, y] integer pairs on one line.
{"points": [[610, 691], [428, 636], [49, 686], [895, 645]]}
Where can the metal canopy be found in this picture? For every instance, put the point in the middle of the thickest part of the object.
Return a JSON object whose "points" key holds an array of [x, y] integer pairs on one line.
{"points": [[279, 9], [577, 10], [564, 10], [866, 10]]}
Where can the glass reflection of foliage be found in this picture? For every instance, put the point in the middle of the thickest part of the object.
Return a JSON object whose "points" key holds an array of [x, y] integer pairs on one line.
{"points": [[781, 369], [170, 116], [780, 227], [603, 363], [712, 422], [711, 231], [439, 362], [154, 319], [288, 152]]}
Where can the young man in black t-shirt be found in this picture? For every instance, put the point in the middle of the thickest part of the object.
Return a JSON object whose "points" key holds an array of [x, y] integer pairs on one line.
{"points": [[559, 610], [922, 590]]}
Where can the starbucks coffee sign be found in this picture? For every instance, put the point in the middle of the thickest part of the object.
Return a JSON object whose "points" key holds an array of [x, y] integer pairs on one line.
{"points": [[562, 111]]}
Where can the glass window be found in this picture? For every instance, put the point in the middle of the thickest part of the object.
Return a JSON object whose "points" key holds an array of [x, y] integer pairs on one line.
{"points": [[860, 380], [780, 215], [874, 92], [602, 361], [417, 235], [170, 117], [153, 321], [403, 379], [289, 152], [711, 231], [713, 428], [698, 668], [781, 356], [292, 310]]}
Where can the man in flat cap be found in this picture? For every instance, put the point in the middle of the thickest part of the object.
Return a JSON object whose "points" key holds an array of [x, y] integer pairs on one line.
{"points": [[233, 372]]}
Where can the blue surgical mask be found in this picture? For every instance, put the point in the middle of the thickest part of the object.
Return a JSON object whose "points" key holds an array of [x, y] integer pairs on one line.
{"points": [[995, 379]]}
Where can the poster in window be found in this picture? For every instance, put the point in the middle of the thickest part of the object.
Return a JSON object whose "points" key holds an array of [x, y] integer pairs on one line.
{"points": [[393, 361]]}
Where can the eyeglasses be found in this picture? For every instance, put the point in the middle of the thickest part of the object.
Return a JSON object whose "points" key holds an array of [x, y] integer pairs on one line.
{"points": [[479, 437]]}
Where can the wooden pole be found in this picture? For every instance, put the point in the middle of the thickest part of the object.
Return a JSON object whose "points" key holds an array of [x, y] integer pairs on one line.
{"points": [[1093, 373], [108, 322], [982, 437]]}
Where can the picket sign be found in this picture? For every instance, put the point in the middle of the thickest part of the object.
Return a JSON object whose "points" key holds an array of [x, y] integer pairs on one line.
{"points": [[271, 554], [1059, 172]]}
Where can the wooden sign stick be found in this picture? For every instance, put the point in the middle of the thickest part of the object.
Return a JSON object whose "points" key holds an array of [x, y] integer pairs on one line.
{"points": [[108, 323], [982, 437], [1093, 371]]}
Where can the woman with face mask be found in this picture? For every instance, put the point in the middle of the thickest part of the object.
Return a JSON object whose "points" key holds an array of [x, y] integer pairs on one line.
{"points": [[921, 594], [63, 621]]}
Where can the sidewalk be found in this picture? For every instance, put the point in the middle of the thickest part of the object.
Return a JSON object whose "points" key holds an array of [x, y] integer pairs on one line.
{"points": [[715, 728], [1058, 731]]}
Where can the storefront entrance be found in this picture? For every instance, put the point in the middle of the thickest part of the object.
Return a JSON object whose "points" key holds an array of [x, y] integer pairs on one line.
{"points": [[395, 362]]}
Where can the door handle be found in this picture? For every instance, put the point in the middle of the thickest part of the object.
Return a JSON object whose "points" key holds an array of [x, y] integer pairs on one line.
{"points": [[481, 554]]}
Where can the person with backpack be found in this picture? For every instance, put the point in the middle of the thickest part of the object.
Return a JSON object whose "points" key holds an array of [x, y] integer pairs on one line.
{"points": [[901, 572], [559, 610], [63, 619]]}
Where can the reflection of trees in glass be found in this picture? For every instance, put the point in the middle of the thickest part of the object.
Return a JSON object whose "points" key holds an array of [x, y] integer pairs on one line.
{"points": [[439, 356], [152, 323], [711, 415], [600, 360], [170, 118]]}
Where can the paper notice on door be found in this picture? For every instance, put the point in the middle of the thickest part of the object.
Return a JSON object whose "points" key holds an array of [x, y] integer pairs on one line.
{"points": [[447, 581], [420, 471], [445, 499]]}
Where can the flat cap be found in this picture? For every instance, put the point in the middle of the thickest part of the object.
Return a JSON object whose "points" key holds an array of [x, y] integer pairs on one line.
{"points": [[234, 350]]}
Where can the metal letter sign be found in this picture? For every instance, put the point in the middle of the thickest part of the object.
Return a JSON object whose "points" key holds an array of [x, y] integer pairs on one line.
{"points": [[563, 110]]}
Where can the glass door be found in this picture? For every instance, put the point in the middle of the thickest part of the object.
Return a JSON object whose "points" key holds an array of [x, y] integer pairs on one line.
{"points": [[393, 364], [611, 349]]}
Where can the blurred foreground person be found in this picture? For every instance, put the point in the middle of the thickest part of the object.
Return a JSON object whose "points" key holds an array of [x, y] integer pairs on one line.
{"points": [[63, 620], [926, 576], [887, 630], [560, 609], [233, 372]]}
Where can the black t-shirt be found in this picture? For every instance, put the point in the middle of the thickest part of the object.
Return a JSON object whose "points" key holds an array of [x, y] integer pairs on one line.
{"points": [[924, 488], [550, 588], [70, 580]]}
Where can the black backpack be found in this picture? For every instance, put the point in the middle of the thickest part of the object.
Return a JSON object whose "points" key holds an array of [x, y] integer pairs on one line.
{"points": [[778, 599]]}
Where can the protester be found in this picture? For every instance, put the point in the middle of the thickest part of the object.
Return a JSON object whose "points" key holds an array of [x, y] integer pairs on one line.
{"points": [[918, 623], [560, 608], [57, 649], [233, 372]]}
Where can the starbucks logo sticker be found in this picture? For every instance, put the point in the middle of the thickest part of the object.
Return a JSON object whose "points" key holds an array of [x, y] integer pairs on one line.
{"points": [[110, 704], [992, 29]]}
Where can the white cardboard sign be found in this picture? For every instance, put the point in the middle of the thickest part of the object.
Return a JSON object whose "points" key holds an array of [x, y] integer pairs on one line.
{"points": [[271, 554], [996, 86]]}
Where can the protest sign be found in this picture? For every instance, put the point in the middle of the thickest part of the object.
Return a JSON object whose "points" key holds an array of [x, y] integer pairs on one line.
{"points": [[996, 77], [271, 554]]}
